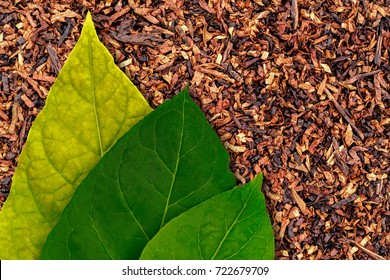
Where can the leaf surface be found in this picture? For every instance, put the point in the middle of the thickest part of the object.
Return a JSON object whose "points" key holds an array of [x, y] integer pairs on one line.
{"points": [[167, 163], [230, 225], [91, 105]]}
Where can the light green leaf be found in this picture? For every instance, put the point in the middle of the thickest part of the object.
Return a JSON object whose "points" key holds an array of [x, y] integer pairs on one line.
{"points": [[168, 162], [90, 106], [230, 225]]}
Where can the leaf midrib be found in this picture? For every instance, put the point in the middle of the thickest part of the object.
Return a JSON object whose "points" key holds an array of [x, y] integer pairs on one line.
{"points": [[94, 95], [176, 167], [97, 232], [232, 226]]}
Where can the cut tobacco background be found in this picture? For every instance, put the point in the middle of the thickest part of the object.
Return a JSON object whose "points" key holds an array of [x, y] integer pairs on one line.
{"points": [[257, 70], [169, 162]]}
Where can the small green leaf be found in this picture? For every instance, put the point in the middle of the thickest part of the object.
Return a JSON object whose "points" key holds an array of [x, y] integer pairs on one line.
{"points": [[230, 225], [169, 162], [90, 106]]}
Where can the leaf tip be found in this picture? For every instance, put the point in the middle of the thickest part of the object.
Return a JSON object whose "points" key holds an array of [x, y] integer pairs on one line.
{"points": [[89, 21], [258, 180], [88, 16]]}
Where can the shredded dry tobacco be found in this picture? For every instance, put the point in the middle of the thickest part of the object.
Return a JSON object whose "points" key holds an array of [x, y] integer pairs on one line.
{"points": [[298, 90]]}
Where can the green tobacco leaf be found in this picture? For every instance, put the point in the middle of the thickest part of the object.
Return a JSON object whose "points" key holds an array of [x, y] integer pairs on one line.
{"points": [[169, 162], [230, 225], [91, 105]]}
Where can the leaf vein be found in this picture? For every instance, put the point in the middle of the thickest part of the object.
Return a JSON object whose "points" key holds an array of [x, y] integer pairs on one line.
{"points": [[97, 232], [232, 225], [176, 167], [128, 206], [94, 99]]}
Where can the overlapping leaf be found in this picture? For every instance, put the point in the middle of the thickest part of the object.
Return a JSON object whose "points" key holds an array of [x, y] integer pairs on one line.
{"points": [[169, 162], [231, 225], [90, 106]]}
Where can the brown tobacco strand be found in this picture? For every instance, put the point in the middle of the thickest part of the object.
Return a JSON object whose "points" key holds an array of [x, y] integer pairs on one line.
{"points": [[342, 112], [360, 76], [294, 12], [14, 119], [368, 252], [378, 50], [344, 201]]}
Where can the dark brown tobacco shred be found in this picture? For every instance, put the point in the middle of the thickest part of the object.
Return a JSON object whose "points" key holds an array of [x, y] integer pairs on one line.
{"points": [[298, 90]]}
